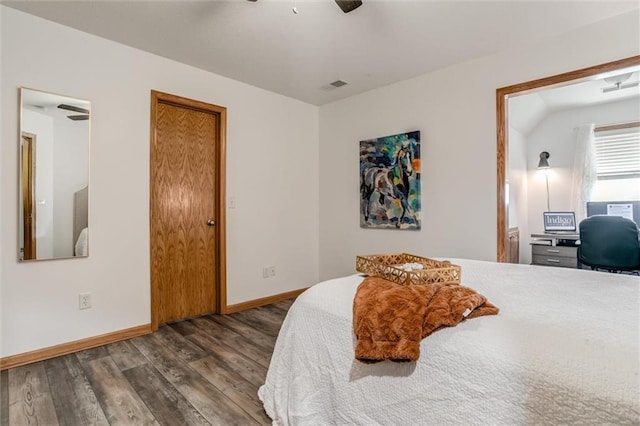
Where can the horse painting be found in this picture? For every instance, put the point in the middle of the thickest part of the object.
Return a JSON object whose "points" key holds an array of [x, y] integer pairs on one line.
{"points": [[390, 182]]}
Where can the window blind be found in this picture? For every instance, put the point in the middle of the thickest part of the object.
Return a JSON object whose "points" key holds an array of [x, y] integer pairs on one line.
{"points": [[618, 153]]}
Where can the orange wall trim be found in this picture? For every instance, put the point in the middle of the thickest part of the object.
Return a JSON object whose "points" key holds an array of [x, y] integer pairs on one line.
{"points": [[75, 346], [263, 301]]}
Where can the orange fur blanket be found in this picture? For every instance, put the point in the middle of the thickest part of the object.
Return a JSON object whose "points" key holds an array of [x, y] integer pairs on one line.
{"points": [[390, 320]]}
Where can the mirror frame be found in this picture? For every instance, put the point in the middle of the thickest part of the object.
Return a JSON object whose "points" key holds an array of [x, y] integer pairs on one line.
{"points": [[22, 134], [502, 95]]}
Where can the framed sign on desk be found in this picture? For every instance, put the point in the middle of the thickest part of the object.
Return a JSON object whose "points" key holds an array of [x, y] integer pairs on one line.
{"points": [[559, 221]]}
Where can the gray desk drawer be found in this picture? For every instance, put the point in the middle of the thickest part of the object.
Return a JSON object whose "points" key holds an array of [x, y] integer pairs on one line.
{"points": [[566, 262], [554, 251]]}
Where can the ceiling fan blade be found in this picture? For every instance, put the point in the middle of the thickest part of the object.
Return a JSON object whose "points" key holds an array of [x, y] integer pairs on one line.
{"points": [[78, 117], [73, 108], [620, 87], [629, 85], [348, 5]]}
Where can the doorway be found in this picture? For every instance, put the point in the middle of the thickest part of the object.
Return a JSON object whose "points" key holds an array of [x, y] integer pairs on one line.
{"points": [[502, 96], [187, 220]]}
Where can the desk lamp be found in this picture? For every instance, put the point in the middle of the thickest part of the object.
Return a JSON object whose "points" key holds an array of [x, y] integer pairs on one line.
{"points": [[544, 164]]}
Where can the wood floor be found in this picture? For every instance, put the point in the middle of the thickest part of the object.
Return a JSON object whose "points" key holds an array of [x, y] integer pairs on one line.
{"points": [[201, 371]]}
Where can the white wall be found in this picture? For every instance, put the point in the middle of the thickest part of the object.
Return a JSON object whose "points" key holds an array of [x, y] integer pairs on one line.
{"points": [[518, 191], [272, 171], [455, 110], [526, 112], [70, 175], [557, 135]]}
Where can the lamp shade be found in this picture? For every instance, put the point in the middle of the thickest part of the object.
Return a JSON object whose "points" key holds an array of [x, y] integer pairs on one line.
{"points": [[544, 160]]}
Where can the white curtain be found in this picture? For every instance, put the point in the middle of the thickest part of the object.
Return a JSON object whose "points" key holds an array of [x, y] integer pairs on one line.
{"points": [[584, 171]]}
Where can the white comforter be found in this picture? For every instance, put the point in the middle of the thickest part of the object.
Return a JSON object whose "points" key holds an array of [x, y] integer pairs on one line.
{"points": [[562, 350]]}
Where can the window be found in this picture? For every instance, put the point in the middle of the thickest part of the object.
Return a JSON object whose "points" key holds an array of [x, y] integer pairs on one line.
{"points": [[617, 162]]}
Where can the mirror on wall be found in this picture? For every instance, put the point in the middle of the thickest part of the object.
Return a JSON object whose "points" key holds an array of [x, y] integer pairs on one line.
{"points": [[54, 176]]}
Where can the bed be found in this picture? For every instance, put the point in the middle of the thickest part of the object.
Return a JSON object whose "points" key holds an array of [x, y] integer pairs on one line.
{"points": [[562, 350]]}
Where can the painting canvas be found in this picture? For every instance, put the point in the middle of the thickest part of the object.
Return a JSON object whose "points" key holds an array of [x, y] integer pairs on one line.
{"points": [[390, 182]]}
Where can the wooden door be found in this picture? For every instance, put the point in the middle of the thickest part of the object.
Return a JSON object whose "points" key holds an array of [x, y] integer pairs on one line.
{"points": [[187, 220], [28, 170]]}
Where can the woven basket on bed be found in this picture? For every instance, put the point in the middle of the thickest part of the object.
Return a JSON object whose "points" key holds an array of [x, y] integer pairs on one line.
{"points": [[387, 266]]}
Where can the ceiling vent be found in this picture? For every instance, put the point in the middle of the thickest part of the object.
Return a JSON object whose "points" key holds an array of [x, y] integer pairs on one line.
{"points": [[339, 83]]}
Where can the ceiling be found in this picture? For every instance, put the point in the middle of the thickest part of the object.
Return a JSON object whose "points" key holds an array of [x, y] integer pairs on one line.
{"points": [[45, 100], [529, 110], [594, 91], [265, 44]]}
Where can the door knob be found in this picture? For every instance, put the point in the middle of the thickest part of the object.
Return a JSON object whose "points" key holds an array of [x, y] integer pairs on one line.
{"points": [[211, 222]]}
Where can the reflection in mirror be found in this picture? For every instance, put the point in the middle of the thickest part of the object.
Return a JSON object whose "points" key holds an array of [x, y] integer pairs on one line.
{"points": [[54, 176]]}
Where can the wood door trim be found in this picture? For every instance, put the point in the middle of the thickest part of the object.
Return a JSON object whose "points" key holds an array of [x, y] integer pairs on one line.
{"points": [[503, 132], [28, 192], [256, 303], [220, 203]]}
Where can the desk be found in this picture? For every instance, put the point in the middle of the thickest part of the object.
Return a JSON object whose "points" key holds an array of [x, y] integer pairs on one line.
{"points": [[555, 250]]}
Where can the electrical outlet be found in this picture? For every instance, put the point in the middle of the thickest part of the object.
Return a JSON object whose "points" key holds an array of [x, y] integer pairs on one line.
{"points": [[84, 300], [265, 272], [272, 271]]}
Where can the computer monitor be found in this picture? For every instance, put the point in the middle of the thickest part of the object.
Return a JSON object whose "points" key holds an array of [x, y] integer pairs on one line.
{"points": [[628, 209]]}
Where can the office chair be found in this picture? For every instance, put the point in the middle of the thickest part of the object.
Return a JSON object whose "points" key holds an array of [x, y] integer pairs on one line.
{"points": [[609, 243]]}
